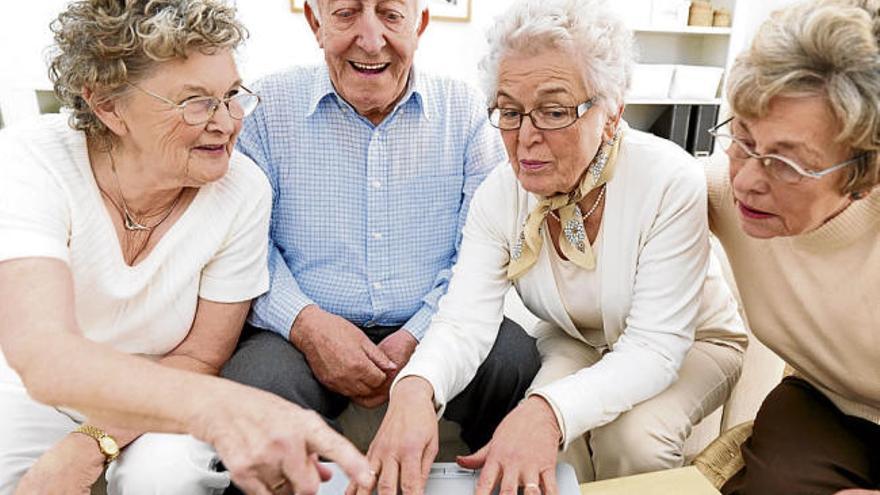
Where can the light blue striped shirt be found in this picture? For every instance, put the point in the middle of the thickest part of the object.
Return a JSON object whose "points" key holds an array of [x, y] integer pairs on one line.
{"points": [[366, 219]]}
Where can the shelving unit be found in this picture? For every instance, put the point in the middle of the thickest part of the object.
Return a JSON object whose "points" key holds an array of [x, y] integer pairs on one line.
{"points": [[684, 45]]}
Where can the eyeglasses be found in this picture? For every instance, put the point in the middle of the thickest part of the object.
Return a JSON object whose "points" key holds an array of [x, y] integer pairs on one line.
{"points": [[201, 109], [548, 118], [779, 167]]}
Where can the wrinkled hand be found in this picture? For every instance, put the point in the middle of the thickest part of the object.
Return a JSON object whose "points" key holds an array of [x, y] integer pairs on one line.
{"points": [[264, 440], [342, 358], [406, 444], [398, 347], [522, 452], [70, 467]]}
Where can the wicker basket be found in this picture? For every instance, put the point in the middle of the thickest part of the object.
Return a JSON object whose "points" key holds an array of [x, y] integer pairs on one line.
{"points": [[700, 13], [721, 18]]}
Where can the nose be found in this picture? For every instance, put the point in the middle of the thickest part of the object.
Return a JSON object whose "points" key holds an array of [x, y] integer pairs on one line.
{"points": [[371, 33], [748, 176], [221, 120], [528, 133]]}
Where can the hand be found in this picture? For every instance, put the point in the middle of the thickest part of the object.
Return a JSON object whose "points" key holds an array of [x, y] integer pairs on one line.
{"points": [[399, 347], [342, 358], [406, 444], [522, 452], [71, 466], [265, 441]]}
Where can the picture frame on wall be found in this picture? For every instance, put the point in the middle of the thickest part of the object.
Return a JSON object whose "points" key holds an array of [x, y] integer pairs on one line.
{"points": [[441, 10]]}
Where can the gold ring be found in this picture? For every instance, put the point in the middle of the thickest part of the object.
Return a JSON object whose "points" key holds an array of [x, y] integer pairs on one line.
{"points": [[532, 485], [278, 486]]}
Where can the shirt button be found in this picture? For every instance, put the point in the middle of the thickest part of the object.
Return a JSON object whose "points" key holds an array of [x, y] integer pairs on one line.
{"points": [[376, 184], [377, 235], [377, 285]]}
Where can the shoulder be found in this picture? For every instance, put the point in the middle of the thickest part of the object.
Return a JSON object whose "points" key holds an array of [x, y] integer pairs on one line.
{"points": [[500, 196], [449, 94], [244, 182], [292, 87], [45, 143], [653, 162]]}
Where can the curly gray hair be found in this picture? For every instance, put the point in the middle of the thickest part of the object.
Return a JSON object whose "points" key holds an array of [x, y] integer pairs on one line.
{"points": [[588, 28], [101, 44], [828, 48]]}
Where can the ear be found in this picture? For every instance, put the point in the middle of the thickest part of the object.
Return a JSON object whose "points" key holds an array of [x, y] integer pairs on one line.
{"points": [[107, 111], [426, 16], [612, 123], [312, 19]]}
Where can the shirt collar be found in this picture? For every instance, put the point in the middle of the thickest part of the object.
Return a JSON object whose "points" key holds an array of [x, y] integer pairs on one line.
{"points": [[417, 90]]}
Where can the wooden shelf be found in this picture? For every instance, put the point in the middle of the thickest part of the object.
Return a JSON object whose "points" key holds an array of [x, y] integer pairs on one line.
{"points": [[697, 30], [671, 101]]}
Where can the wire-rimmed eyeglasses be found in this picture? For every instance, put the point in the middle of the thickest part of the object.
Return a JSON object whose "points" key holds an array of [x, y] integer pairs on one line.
{"points": [[779, 167], [545, 118], [198, 110]]}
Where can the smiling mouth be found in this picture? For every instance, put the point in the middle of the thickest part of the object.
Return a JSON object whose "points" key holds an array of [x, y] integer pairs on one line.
{"points": [[369, 68], [211, 147]]}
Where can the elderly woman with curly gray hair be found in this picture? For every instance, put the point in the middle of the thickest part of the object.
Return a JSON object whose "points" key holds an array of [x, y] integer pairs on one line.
{"points": [[602, 230], [794, 201], [134, 238]]}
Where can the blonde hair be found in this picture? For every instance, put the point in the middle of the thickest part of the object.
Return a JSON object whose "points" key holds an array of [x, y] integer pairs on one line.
{"points": [[827, 48], [596, 36], [102, 44]]}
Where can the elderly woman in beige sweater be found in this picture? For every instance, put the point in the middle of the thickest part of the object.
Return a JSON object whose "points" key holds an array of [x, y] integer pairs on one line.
{"points": [[794, 203]]}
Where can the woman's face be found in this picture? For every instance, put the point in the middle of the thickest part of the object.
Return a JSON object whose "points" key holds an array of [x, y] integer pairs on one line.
{"points": [[549, 162], [178, 153], [802, 129]]}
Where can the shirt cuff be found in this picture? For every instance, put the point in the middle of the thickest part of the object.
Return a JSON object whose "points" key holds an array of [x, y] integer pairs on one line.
{"points": [[418, 323], [560, 421], [278, 309], [575, 415]]}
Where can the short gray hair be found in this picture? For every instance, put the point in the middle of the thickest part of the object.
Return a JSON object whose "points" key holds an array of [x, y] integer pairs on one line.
{"points": [[827, 48], [315, 5], [102, 44], [596, 35]]}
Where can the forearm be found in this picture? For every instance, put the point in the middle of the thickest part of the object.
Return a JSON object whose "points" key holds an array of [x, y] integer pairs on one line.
{"points": [[124, 436], [110, 387]]}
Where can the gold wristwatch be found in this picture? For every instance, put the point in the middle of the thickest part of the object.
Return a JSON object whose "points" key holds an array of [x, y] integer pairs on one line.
{"points": [[106, 444]]}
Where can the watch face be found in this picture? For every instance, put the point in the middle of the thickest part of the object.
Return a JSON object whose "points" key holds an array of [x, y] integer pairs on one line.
{"points": [[108, 446]]}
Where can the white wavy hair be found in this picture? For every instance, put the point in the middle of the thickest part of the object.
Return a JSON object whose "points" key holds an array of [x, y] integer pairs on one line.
{"points": [[315, 5], [597, 37]]}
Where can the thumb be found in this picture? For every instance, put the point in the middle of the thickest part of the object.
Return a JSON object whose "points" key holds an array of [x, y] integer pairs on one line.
{"points": [[475, 460], [379, 358]]}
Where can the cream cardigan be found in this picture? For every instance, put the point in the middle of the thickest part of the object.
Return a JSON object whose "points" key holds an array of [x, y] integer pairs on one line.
{"points": [[656, 295]]}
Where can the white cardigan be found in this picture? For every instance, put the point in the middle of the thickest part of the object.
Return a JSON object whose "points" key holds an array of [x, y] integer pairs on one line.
{"points": [[656, 294]]}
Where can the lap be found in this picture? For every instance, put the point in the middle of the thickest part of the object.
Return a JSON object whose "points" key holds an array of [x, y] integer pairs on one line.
{"points": [[803, 442]]}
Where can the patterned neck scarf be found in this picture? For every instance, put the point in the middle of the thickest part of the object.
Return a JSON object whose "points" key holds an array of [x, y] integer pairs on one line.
{"points": [[573, 242]]}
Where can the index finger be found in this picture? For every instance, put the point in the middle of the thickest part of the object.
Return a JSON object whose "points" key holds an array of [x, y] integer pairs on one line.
{"points": [[324, 441], [548, 479], [488, 478]]}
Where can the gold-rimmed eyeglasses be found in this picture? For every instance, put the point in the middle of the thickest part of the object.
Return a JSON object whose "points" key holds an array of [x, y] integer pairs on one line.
{"points": [[200, 109], [779, 167], [545, 118]]}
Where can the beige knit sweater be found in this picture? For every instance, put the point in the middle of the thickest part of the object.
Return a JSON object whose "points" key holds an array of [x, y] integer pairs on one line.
{"points": [[814, 298]]}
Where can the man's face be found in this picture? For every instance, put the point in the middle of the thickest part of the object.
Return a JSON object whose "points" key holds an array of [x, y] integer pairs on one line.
{"points": [[369, 47]]}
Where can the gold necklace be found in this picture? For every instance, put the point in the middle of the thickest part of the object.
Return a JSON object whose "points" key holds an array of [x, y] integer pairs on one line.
{"points": [[128, 221]]}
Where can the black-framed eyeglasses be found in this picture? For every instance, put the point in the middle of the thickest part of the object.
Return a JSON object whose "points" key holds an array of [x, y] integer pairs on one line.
{"points": [[545, 118], [201, 109], [779, 167]]}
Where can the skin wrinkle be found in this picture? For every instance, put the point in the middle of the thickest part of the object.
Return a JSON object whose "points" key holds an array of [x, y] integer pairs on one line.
{"points": [[793, 208], [363, 31]]}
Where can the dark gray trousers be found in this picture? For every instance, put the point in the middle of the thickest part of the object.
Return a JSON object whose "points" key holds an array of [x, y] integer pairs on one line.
{"points": [[267, 361]]}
